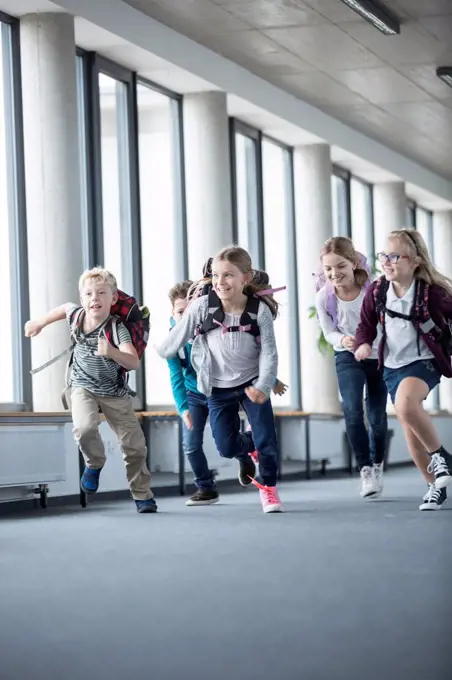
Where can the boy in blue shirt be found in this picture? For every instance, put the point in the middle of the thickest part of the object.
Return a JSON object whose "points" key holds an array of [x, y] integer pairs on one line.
{"points": [[191, 406]]}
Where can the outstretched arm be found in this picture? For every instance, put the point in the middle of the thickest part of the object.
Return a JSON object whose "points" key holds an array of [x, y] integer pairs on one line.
{"points": [[34, 327]]}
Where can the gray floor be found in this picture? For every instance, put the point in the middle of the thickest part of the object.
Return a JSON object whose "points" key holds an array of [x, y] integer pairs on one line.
{"points": [[335, 589]]}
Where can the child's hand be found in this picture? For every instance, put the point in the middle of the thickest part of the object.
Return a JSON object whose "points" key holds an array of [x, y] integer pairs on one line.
{"points": [[256, 396], [280, 388], [103, 348], [348, 341], [363, 352], [186, 417], [33, 328]]}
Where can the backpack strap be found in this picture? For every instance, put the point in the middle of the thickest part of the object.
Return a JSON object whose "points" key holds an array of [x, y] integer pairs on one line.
{"points": [[75, 320], [215, 314], [380, 291]]}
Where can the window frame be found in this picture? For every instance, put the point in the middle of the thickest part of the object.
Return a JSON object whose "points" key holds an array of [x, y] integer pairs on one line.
{"points": [[345, 176], [411, 209], [16, 199], [237, 127]]}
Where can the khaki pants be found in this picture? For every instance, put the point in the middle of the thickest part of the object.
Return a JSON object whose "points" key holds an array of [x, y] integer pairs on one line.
{"points": [[119, 414]]}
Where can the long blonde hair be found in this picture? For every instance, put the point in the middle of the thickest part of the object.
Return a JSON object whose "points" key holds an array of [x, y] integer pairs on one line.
{"points": [[242, 260], [417, 248]]}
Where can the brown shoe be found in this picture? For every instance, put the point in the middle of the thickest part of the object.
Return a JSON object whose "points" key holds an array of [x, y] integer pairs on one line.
{"points": [[204, 497], [247, 471]]}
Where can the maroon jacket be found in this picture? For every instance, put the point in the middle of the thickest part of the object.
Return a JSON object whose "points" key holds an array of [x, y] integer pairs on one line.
{"points": [[440, 307]]}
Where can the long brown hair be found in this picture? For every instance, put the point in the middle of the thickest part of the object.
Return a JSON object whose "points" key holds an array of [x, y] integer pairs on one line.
{"points": [[343, 246], [415, 246], [240, 258]]}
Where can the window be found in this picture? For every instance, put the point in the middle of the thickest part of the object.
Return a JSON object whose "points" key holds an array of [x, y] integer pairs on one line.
{"points": [[279, 257], [340, 193], [15, 383], [411, 214], [162, 226], [116, 190], [362, 218], [248, 190]]}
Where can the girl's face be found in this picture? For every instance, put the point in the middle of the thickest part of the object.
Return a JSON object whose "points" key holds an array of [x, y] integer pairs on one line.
{"points": [[227, 280], [398, 265], [338, 270]]}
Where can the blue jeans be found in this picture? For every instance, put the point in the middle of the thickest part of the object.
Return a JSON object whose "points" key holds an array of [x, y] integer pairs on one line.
{"points": [[224, 405], [193, 441], [352, 376]]}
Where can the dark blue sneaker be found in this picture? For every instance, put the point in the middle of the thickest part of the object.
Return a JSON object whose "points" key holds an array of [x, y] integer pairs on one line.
{"points": [[89, 482], [146, 506]]}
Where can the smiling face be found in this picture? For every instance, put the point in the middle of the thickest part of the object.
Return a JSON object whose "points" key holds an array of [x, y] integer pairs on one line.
{"points": [[228, 281], [338, 270], [397, 262], [97, 298]]}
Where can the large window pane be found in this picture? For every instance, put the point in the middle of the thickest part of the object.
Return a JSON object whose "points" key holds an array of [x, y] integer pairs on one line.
{"points": [[11, 373], [247, 192], [161, 226], [277, 225], [117, 227], [339, 194], [362, 223]]}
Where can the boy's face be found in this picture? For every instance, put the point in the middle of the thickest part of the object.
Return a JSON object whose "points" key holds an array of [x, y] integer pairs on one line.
{"points": [[97, 299], [179, 307]]}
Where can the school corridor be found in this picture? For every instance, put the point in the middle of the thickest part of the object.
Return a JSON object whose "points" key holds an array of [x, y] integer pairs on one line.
{"points": [[350, 589]]}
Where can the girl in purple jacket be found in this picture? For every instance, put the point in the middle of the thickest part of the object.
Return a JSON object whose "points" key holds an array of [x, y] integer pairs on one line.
{"points": [[412, 302]]}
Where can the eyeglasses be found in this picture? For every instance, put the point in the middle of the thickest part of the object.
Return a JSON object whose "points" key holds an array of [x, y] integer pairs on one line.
{"points": [[393, 258]]}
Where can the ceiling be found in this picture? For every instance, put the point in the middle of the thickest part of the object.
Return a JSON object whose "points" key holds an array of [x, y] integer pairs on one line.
{"points": [[325, 54]]}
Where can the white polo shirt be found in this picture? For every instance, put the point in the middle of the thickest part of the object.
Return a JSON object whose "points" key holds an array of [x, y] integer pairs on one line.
{"points": [[401, 346]]}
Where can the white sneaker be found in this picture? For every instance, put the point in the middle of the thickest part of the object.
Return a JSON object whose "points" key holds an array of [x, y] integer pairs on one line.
{"points": [[434, 498], [377, 471], [270, 499], [368, 484]]}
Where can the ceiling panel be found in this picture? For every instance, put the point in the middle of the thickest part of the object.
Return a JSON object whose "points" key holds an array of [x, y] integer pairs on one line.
{"points": [[326, 47], [275, 13], [424, 75], [414, 45], [422, 8], [440, 27], [320, 90], [381, 85]]}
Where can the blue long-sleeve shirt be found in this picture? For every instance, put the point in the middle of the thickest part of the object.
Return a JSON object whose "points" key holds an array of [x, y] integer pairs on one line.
{"points": [[183, 378]]}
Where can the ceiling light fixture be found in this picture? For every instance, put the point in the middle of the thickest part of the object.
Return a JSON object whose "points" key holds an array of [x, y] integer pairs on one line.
{"points": [[445, 73], [378, 16]]}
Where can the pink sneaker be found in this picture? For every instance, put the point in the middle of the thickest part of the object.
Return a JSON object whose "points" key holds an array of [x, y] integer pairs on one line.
{"points": [[254, 456], [269, 498]]}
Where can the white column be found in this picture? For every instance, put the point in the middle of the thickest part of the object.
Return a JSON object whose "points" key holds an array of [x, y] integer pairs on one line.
{"points": [[52, 181], [442, 239], [314, 225], [389, 211], [207, 177]]}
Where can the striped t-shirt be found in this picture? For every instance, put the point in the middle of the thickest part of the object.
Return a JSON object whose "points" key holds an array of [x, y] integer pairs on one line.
{"points": [[98, 375]]}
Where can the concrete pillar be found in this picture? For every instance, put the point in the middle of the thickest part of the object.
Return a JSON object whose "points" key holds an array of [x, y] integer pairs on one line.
{"points": [[390, 211], [442, 238], [314, 225], [207, 177], [53, 192]]}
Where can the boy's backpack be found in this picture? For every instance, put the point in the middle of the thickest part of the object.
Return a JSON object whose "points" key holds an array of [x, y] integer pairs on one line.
{"points": [[322, 283], [126, 310], [419, 315], [135, 318]]}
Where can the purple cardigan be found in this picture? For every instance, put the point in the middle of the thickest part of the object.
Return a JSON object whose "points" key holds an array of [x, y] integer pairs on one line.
{"points": [[440, 305]]}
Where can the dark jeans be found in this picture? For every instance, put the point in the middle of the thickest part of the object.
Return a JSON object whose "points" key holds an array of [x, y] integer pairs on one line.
{"points": [[193, 441], [224, 407], [352, 376]]}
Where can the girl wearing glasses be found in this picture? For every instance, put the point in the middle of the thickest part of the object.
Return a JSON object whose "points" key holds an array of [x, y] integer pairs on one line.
{"points": [[342, 283], [412, 303]]}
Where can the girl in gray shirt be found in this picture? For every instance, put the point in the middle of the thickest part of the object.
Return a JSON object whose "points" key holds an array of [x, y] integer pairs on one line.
{"points": [[234, 355]]}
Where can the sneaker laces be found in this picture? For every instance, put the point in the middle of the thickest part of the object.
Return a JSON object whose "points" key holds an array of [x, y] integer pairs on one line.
{"points": [[433, 494], [438, 465], [270, 493]]}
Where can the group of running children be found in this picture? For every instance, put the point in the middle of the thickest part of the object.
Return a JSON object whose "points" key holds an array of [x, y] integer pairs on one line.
{"points": [[390, 335]]}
